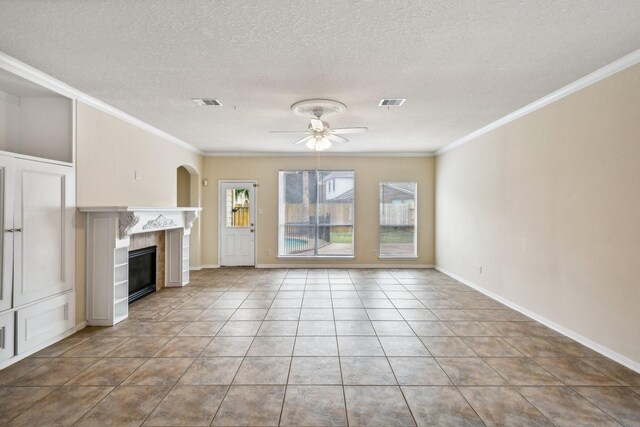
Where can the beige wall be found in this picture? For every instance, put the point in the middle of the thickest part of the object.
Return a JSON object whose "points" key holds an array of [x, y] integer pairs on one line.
{"points": [[549, 205], [369, 172], [109, 151], [183, 187]]}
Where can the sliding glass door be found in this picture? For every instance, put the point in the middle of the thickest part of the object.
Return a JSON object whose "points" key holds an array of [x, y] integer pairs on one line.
{"points": [[316, 213]]}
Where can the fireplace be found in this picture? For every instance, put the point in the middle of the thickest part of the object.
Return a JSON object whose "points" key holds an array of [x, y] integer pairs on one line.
{"points": [[142, 272], [114, 231]]}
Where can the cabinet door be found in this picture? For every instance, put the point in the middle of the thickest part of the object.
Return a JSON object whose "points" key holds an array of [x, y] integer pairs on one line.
{"points": [[44, 244], [6, 336], [42, 322], [6, 222]]}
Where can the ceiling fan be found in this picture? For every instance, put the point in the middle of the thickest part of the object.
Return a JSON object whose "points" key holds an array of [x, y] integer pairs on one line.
{"points": [[319, 135]]}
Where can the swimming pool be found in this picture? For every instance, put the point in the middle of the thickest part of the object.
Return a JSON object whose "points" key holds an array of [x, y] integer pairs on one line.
{"points": [[294, 244]]}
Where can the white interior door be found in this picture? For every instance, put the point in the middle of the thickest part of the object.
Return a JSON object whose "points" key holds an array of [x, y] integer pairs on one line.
{"points": [[6, 222], [43, 239], [237, 223]]}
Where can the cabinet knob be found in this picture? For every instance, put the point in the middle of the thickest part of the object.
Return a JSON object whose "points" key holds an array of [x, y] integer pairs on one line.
{"points": [[9, 230], [18, 230]]}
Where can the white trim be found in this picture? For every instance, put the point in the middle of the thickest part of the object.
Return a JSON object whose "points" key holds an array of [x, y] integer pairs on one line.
{"points": [[35, 159], [631, 364], [36, 76], [221, 219], [608, 70], [44, 345], [81, 326], [324, 154], [350, 265], [205, 266]]}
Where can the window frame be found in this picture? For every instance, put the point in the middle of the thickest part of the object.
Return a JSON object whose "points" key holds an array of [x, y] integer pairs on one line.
{"points": [[282, 173], [415, 221]]}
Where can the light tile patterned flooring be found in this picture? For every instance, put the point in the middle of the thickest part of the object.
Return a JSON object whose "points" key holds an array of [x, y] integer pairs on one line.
{"points": [[319, 347]]}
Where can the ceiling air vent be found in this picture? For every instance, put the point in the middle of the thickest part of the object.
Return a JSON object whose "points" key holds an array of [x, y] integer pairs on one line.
{"points": [[391, 102], [207, 102]]}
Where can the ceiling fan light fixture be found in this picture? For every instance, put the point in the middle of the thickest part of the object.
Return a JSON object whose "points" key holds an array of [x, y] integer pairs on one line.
{"points": [[320, 135], [322, 144], [318, 144]]}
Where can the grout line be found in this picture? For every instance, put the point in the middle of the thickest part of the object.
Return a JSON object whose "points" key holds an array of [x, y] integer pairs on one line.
{"points": [[344, 394], [295, 339], [232, 283]]}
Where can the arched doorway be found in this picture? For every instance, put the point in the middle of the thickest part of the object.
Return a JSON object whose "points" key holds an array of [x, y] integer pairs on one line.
{"points": [[184, 188]]}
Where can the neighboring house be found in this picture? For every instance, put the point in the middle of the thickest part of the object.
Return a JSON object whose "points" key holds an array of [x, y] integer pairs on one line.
{"points": [[398, 192], [338, 187]]}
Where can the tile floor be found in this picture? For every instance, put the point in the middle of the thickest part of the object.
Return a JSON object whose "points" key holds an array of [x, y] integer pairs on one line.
{"points": [[319, 347]]}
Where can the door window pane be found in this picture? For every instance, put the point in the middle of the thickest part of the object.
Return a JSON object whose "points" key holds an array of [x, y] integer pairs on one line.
{"points": [[398, 216], [237, 207]]}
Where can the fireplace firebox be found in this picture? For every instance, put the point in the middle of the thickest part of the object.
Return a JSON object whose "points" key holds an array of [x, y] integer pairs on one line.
{"points": [[142, 272]]}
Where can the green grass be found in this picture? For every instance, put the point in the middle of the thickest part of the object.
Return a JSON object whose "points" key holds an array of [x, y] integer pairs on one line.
{"points": [[396, 237], [385, 237], [341, 237]]}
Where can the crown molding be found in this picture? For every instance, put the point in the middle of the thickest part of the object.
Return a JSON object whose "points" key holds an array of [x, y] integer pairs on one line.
{"points": [[27, 72], [608, 70], [322, 154], [36, 76]]}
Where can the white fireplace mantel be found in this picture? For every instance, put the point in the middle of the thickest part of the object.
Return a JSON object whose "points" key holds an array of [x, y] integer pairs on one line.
{"points": [[108, 231], [132, 220]]}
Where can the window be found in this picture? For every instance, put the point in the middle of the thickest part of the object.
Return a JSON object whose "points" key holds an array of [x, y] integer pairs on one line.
{"points": [[316, 213], [398, 216], [237, 207]]}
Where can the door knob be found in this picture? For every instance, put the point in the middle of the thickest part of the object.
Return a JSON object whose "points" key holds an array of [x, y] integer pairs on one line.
{"points": [[251, 230]]}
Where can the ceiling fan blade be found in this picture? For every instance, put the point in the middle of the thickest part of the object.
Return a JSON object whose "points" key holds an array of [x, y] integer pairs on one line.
{"points": [[289, 131], [303, 140], [342, 131], [336, 138], [316, 124]]}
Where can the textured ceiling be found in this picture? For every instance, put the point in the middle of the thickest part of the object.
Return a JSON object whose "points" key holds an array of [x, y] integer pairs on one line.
{"points": [[460, 64]]}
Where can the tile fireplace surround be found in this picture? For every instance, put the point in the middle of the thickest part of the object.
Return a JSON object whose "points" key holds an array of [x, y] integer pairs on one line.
{"points": [[109, 232]]}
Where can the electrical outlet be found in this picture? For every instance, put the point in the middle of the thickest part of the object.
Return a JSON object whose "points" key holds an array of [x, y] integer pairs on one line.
{"points": [[480, 269]]}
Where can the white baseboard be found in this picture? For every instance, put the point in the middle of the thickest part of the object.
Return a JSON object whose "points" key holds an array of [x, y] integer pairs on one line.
{"points": [[352, 266], [203, 266], [45, 344], [631, 364], [81, 325]]}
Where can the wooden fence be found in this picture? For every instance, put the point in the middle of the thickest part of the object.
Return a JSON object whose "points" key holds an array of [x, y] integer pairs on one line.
{"points": [[397, 214]]}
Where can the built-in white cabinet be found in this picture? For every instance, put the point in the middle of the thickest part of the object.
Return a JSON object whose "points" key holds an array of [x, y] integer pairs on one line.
{"points": [[35, 121], [37, 323], [37, 211], [37, 204], [6, 222], [7, 344], [43, 244]]}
